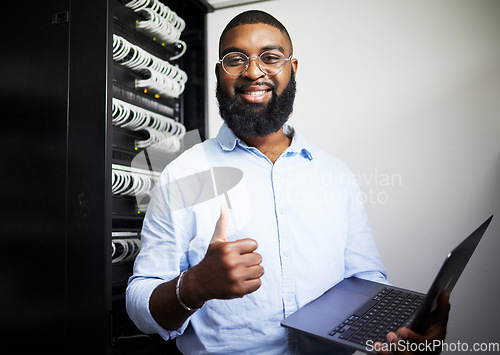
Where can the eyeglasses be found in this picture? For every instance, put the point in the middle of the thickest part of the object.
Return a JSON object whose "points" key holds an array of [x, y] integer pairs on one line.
{"points": [[269, 62]]}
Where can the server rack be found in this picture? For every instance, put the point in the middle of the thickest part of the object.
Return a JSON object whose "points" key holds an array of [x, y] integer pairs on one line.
{"points": [[61, 293]]}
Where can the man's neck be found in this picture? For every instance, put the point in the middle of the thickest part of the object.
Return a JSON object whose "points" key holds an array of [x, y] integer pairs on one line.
{"points": [[272, 145]]}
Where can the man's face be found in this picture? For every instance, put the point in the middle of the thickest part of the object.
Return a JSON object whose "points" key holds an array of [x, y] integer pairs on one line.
{"points": [[254, 103]]}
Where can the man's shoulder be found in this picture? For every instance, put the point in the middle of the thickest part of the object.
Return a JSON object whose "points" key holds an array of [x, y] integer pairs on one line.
{"points": [[325, 158], [316, 153]]}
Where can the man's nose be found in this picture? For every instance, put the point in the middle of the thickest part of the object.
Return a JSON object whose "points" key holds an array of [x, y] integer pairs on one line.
{"points": [[253, 72]]}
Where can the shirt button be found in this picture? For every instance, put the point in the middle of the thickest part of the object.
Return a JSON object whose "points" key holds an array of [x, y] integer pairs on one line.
{"points": [[285, 253], [289, 298]]}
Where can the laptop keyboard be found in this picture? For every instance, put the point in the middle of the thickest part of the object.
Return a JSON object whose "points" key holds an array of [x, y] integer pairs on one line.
{"points": [[388, 311]]}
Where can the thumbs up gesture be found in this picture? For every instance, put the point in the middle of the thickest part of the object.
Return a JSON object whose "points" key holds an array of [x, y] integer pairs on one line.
{"points": [[221, 226], [229, 269]]}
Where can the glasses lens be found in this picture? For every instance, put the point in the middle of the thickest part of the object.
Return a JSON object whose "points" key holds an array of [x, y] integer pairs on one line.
{"points": [[235, 63], [272, 62]]}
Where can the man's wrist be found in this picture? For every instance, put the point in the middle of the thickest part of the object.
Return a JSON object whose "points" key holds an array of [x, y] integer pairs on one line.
{"points": [[187, 292]]}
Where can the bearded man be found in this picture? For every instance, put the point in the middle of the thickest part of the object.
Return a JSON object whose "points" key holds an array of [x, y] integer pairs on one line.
{"points": [[221, 282]]}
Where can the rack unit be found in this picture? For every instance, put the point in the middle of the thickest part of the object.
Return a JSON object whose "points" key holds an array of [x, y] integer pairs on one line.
{"points": [[61, 293]]}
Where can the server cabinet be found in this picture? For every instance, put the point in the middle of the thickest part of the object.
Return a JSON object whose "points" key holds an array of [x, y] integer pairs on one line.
{"points": [[33, 139], [61, 292]]}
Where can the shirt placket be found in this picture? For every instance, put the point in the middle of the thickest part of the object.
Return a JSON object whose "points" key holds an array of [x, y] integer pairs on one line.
{"points": [[287, 276]]}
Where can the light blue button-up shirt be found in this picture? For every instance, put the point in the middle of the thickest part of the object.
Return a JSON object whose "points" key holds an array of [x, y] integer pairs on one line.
{"points": [[306, 213]]}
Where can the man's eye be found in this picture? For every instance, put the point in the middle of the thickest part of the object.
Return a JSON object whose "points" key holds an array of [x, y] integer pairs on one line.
{"points": [[270, 59], [235, 61]]}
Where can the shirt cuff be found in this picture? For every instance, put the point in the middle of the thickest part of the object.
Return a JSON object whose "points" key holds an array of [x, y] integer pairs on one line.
{"points": [[138, 293]]}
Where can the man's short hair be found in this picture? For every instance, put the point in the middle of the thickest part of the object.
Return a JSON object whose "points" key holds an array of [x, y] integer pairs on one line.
{"points": [[251, 17]]}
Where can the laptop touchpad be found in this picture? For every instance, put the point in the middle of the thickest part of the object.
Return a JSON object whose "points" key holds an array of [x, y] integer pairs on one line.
{"points": [[338, 302]]}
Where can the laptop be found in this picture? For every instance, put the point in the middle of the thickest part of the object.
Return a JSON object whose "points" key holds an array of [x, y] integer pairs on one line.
{"points": [[356, 313]]}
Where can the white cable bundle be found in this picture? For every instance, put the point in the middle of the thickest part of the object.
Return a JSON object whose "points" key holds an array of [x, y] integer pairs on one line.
{"points": [[127, 116], [160, 140], [136, 118], [164, 132], [124, 250], [128, 181], [161, 22], [164, 77], [161, 84]]}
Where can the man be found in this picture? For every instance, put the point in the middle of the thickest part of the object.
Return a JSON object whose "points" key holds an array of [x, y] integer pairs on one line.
{"points": [[295, 227]]}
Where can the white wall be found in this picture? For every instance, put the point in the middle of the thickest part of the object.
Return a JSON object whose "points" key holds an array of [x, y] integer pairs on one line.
{"points": [[408, 94]]}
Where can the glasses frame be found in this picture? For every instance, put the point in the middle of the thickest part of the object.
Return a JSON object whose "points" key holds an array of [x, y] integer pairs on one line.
{"points": [[258, 62]]}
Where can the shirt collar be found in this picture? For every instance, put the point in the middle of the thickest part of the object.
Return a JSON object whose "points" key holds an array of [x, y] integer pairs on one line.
{"points": [[228, 141]]}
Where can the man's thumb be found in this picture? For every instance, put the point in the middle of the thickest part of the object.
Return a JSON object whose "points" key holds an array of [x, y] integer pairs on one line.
{"points": [[221, 226]]}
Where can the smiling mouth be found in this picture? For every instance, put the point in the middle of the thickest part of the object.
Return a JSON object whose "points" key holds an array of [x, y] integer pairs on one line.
{"points": [[259, 93], [255, 93]]}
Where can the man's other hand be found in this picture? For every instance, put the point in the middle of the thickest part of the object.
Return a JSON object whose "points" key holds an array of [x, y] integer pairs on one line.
{"points": [[435, 330]]}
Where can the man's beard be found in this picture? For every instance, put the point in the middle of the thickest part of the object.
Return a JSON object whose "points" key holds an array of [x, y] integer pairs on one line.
{"points": [[257, 119]]}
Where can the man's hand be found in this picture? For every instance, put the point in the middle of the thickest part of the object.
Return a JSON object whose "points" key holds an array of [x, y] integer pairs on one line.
{"points": [[435, 330], [228, 270]]}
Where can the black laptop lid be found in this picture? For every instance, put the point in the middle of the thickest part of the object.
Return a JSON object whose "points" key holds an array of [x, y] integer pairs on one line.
{"points": [[449, 273]]}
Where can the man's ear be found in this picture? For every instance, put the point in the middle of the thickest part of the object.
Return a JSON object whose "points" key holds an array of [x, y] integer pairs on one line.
{"points": [[295, 65], [217, 67]]}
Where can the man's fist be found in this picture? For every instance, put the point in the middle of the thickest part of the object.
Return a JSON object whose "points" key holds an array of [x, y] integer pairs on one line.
{"points": [[229, 269]]}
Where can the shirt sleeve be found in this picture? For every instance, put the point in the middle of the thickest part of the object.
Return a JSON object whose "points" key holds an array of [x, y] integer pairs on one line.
{"points": [[163, 256], [362, 258]]}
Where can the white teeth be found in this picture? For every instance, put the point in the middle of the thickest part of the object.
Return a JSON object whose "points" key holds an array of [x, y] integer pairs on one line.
{"points": [[255, 93]]}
